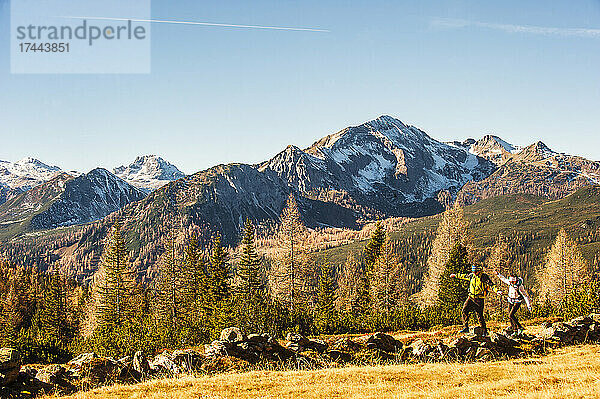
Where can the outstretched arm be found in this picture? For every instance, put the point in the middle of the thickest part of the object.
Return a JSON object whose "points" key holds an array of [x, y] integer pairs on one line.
{"points": [[461, 276], [526, 296], [503, 279]]}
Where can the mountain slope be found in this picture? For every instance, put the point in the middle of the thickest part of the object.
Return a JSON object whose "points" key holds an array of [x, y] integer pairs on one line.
{"points": [[66, 200], [383, 166], [534, 170], [149, 172], [532, 222], [20, 176]]}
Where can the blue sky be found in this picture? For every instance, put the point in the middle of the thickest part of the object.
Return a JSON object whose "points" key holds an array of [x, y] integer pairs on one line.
{"points": [[456, 69]]}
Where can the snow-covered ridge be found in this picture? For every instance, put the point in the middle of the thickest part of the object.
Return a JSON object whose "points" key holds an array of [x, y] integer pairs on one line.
{"points": [[383, 157], [26, 173], [149, 172]]}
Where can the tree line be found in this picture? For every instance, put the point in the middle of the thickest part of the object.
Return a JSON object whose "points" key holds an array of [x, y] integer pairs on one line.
{"points": [[201, 289]]}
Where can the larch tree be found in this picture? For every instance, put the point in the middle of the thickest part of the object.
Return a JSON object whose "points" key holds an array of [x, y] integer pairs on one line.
{"points": [[565, 270], [290, 282], [169, 288], [500, 260], [195, 283], [348, 284], [452, 230]]}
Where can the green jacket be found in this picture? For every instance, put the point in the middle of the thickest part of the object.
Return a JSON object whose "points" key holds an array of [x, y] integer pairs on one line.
{"points": [[478, 286]]}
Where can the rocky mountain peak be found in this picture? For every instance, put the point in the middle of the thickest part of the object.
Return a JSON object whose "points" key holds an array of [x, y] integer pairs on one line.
{"points": [[149, 172], [26, 173], [493, 148]]}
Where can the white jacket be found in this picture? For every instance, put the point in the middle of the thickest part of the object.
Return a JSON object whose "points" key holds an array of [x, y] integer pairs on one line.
{"points": [[515, 292]]}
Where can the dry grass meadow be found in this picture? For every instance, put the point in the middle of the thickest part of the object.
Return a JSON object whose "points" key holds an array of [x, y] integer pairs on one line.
{"points": [[567, 373]]}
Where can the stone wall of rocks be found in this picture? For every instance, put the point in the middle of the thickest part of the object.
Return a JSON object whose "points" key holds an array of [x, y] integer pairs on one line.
{"points": [[236, 351]]}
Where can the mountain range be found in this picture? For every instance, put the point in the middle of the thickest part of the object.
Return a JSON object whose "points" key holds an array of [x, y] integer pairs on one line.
{"points": [[381, 168]]}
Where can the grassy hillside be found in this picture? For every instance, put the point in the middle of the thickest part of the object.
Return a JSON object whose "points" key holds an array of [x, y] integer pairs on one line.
{"points": [[523, 214], [568, 373]]}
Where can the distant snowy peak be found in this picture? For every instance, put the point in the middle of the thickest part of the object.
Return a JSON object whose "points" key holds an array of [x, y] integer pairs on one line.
{"points": [[66, 201], [149, 172], [26, 173], [382, 159], [493, 148]]}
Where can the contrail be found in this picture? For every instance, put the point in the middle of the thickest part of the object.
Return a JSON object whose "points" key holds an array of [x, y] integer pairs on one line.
{"points": [[163, 21], [449, 23]]}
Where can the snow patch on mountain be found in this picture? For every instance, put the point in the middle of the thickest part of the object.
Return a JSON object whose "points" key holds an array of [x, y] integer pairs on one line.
{"points": [[149, 172], [26, 173], [383, 163]]}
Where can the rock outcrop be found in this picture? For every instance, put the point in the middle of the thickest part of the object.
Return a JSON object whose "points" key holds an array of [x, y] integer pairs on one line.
{"points": [[10, 364]]}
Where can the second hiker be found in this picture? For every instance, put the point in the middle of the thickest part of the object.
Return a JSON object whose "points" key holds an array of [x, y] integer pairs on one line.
{"points": [[516, 296], [479, 286]]}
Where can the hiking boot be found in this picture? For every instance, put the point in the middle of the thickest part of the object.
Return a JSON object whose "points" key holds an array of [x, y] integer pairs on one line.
{"points": [[464, 330]]}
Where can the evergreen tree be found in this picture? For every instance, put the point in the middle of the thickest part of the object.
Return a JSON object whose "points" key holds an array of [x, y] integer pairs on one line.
{"points": [[453, 292], [219, 272], [251, 302], [374, 246], [371, 253], [249, 266], [52, 310], [325, 314]]}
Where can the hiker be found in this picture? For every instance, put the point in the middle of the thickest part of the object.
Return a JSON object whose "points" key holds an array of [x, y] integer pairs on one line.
{"points": [[516, 296], [479, 285]]}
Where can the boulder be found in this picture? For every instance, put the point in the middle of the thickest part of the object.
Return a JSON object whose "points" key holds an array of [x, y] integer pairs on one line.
{"points": [[51, 374], [346, 345], [299, 343], [581, 321], [420, 348], [188, 359], [57, 376], [10, 364], [217, 348], [503, 340], [232, 334], [84, 358], [164, 366], [99, 371], [383, 342]]}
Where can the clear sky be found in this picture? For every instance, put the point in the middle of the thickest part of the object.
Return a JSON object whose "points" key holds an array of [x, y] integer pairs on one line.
{"points": [[525, 71]]}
